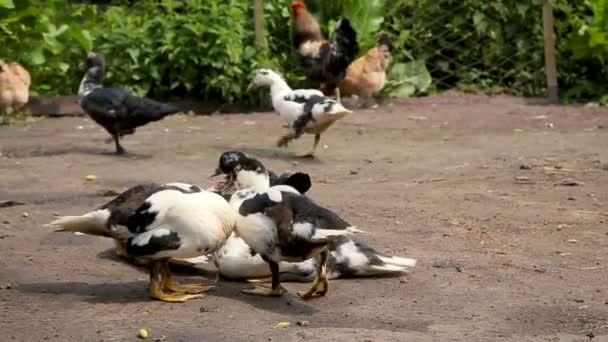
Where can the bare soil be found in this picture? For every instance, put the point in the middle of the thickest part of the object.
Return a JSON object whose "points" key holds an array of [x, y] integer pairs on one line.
{"points": [[502, 200]]}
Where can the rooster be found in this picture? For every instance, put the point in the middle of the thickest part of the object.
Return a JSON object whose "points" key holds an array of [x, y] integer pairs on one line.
{"points": [[323, 61], [116, 109], [15, 83]]}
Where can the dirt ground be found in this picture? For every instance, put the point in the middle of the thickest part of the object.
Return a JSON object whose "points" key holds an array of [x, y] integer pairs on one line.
{"points": [[503, 202]]}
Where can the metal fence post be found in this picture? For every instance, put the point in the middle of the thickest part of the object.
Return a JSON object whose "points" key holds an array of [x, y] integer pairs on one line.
{"points": [[258, 22], [550, 63]]}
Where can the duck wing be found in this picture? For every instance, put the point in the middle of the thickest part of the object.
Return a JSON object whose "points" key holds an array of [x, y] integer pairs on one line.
{"points": [[299, 181], [294, 214], [105, 105], [117, 106]]}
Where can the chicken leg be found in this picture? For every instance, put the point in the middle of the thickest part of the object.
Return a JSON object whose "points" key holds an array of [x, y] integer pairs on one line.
{"points": [[311, 153], [320, 286], [284, 140], [157, 291], [170, 285], [276, 289]]}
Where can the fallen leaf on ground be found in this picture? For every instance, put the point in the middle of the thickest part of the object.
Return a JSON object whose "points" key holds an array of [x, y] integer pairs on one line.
{"points": [[6, 204], [569, 182], [282, 325]]}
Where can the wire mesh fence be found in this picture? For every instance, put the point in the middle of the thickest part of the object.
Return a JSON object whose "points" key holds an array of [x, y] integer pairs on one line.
{"points": [[208, 48], [473, 45]]}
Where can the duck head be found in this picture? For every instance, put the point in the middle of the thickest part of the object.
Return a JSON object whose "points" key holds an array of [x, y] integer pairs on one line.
{"points": [[264, 78], [95, 65], [241, 172]]}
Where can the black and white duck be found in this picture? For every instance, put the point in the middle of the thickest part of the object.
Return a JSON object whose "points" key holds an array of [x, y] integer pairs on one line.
{"points": [[226, 168], [302, 110], [347, 257], [280, 224], [174, 220], [116, 109]]}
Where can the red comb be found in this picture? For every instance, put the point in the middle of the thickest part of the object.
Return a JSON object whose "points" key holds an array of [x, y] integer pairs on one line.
{"points": [[297, 4]]}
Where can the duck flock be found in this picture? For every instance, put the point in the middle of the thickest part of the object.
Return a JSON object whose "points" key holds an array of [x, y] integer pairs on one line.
{"points": [[252, 223]]}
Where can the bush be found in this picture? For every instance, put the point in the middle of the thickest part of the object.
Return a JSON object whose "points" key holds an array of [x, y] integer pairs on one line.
{"points": [[582, 50], [493, 46], [205, 48], [48, 39]]}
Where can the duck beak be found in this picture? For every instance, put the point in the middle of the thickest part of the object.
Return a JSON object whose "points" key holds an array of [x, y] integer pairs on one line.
{"points": [[251, 86], [217, 172]]}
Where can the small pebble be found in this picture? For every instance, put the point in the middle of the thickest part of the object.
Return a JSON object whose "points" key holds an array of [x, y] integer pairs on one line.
{"points": [[6, 222], [302, 323], [572, 241], [25, 215], [90, 177], [402, 280], [203, 309], [353, 172]]}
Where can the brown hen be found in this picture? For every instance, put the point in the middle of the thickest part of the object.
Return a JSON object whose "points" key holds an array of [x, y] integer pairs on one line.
{"points": [[366, 76]]}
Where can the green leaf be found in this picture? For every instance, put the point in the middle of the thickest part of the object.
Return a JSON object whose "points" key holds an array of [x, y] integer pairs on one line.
{"points": [[408, 79], [7, 4], [84, 38], [37, 57], [480, 22], [402, 89], [64, 67]]}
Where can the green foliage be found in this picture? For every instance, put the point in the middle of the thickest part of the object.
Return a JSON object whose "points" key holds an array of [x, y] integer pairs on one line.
{"points": [[366, 16], [582, 49], [407, 79], [46, 38], [206, 48], [177, 51], [7, 4], [487, 45]]}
